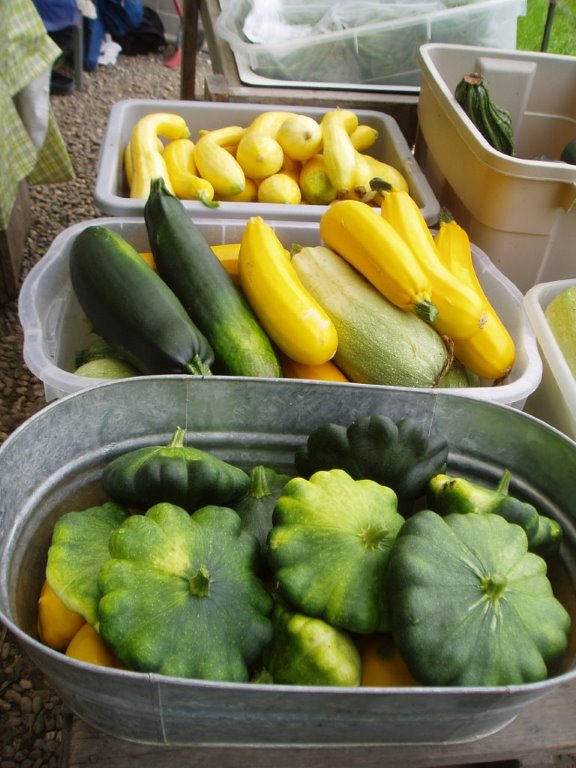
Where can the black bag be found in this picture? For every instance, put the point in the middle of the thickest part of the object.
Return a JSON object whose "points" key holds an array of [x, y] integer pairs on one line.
{"points": [[147, 38]]}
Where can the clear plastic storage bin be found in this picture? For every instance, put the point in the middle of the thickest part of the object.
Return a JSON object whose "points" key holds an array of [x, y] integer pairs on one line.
{"points": [[554, 400], [366, 43], [55, 328]]}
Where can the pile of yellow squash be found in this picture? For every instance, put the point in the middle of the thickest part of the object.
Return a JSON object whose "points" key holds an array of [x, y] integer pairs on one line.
{"points": [[280, 157]]}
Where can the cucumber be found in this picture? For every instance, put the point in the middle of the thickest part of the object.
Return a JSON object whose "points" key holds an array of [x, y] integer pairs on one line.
{"points": [[189, 266], [561, 317], [132, 308], [378, 343]]}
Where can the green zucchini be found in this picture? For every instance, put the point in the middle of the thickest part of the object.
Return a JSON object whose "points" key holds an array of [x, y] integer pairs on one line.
{"points": [[568, 154], [132, 308], [378, 343], [493, 122], [189, 266]]}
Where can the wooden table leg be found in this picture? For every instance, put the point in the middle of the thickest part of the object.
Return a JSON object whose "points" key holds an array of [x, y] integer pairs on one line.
{"points": [[13, 243], [78, 53], [189, 37]]}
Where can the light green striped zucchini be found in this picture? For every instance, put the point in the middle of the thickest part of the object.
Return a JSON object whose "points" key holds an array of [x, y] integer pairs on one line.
{"points": [[378, 343]]}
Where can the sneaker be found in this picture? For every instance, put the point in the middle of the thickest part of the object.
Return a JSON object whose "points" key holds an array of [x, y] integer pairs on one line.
{"points": [[60, 85]]}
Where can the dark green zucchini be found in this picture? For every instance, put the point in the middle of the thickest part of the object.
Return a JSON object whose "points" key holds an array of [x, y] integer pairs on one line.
{"points": [[569, 153], [188, 265], [131, 307], [493, 122]]}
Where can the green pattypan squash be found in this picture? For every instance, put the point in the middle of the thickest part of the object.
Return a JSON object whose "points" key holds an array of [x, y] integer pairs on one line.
{"points": [[175, 473], [470, 605], [308, 651], [402, 455], [180, 595], [329, 548], [256, 507], [447, 495], [78, 548]]}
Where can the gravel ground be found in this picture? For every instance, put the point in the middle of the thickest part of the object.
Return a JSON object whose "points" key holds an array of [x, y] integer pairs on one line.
{"points": [[31, 712]]}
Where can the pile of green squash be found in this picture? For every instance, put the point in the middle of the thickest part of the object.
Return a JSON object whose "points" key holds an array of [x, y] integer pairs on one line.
{"points": [[199, 569]]}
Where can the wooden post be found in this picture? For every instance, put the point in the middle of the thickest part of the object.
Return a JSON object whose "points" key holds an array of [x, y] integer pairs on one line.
{"points": [[548, 25], [189, 37], [13, 243]]}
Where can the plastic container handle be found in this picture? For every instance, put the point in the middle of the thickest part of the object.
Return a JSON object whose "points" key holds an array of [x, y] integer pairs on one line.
{"points": [[569, 197]]}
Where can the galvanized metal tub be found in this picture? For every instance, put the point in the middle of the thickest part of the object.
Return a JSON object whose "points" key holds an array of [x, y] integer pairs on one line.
{"points": [[52, 464]]}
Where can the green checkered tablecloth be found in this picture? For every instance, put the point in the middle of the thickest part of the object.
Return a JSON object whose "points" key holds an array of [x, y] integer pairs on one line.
{"points": [[26, 51]]}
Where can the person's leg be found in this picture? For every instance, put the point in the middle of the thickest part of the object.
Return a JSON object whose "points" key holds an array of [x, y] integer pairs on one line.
{"points": [[64, 40], [61, 84]]}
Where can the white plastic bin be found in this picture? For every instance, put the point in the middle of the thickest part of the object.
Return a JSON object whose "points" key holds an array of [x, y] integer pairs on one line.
{"points": [[365, 43], [111, 191], [518, 209], [554, 401], [55, 328]]}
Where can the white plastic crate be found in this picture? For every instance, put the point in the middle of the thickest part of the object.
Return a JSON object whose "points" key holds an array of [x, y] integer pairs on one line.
{"points": [[518, 209], [367, 43], [55, 328], [554, 401], [111, 194]]}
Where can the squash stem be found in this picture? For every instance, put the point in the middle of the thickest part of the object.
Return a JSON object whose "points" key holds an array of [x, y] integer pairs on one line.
{"points": [[373, 536], [425, 310], [199, 582], [446, 216], [259, 487], [379, 185], [494, 586], [204, 198], [449, 344], [504, 484], [158, 188], [178, 438], [197, 367]]}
